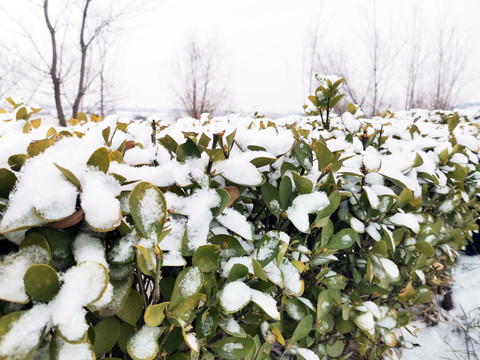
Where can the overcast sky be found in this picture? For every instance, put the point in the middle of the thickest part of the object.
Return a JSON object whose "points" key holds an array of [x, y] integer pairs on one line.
{"points": [[263, 43]]}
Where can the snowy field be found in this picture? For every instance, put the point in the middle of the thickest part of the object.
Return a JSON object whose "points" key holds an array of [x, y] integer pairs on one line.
{"points": [[457, 335]]}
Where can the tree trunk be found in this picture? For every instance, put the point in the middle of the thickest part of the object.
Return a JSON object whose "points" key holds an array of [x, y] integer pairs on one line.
{"points": [[83, 49], [53, 68]]}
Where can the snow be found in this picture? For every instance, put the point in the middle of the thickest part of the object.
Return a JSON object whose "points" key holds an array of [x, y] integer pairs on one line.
{"points": [[99, 202], [67, 351], [456, 335], [239, 171], [143, 344], [357, 225], [235, 296], [267, 248], [243, 260], [83, 284], [230, 347], [307, 354], [236, 222], [192, 341], [408, 220], [123, 249], [291, 277], [191, 282], [150, 209], [372, 196], [365, 321], [86, 247], [390, 267], [231, 325], [25, 333], [197, 207], [306, 204], [12, 269], [266, 302]]}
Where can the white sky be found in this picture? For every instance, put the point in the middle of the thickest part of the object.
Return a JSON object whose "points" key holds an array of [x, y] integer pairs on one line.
{"points": [[263, 43]]}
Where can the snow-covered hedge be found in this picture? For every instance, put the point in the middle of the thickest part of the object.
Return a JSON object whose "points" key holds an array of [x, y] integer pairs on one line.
{"points": [[231, 237]]}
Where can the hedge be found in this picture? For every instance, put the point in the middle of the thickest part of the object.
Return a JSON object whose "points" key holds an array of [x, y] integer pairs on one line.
{"points": [[228, 237]]}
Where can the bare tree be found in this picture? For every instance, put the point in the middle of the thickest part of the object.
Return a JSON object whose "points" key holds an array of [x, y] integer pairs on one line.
{"points": [[415, 61], [367, 76], [201, 84], [8, 75], [448, 68], [76, 63]]}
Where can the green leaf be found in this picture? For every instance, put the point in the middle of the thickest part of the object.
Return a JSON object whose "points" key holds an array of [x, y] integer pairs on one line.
{"points": [[228, 325], [100, 159], [324, 155], [237, 271], [302, 330], [6, 323], [405, 197], [58, 342], [185, 308], [232, 347], [206, 324], [224, 197], [69, 175], [21, 113], [41, 282], [16, 161], [268, 248], [106, 335], [230, 139], [326, 325], [143, 345], [188, 150], [106, 134], [344, 239], [126, 331], [303, 153], [262, 161], [155, 314], [351, 108], [344, 326], [271, 197], [336, 282], [418, 160], [304, 185], [327, 234], [443, 156], [296, 309], [336, 349], [7, 182], [148, 209], [229, 246], [422, 295], [334, 100], [207, 258], [334, 201], [324, 304], [189, 281], [258, 270], [145, 261], [59, 244], [36, 239], [285, 192], [132, 309], [169, 143], [38, 146], [425, 248], [203, 141]]}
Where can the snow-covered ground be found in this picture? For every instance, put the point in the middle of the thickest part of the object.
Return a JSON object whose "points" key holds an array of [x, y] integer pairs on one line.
{"points": [[457, 335]]}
